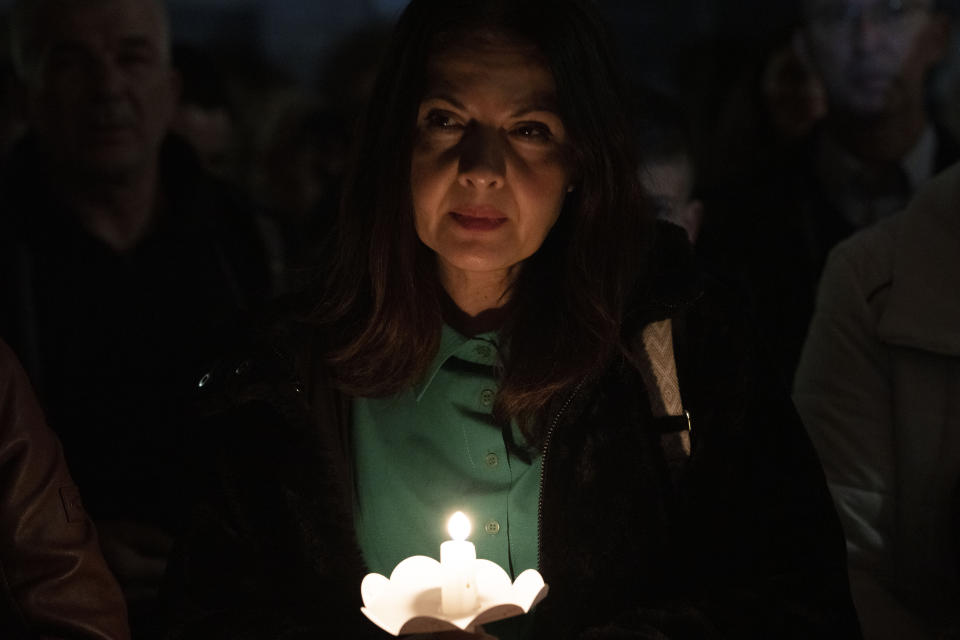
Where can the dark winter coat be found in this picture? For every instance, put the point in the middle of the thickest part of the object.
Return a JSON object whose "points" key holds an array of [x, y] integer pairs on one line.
{"points": [[745, 544], [113, 341]]}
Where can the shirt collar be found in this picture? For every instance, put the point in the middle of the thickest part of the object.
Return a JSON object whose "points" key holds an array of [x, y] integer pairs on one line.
{"points": [[923, 310], [864, 195], [918, 164], [481, 349]]}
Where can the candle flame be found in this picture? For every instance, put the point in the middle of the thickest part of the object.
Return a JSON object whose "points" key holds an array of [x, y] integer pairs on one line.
{"points": [[458, 526]]}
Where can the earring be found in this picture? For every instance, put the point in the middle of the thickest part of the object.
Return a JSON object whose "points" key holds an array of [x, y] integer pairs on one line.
{"points": [[570, 188]]}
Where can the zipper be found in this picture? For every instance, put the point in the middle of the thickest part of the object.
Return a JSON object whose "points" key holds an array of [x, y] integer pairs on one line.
{"points": [[543, 464]]}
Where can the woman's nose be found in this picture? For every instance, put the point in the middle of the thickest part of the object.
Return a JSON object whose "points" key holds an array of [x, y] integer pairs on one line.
{"points": [[482, 158]]}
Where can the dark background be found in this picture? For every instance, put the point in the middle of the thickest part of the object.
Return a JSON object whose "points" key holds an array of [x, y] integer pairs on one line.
{"points": [[296, 35]]}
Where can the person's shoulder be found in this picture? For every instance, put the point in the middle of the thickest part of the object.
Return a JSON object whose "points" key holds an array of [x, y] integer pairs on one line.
{"points": [[867, 255], [682, 286], [264, 360], [257, 399], [673, 280], [938, 196]]}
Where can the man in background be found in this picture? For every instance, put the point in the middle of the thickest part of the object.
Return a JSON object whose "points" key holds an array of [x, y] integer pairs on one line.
{"points": [[875, 145], [121, 265]]}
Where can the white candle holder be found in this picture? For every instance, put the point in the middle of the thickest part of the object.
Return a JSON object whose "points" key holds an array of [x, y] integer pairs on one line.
{"points": [[409, 601]]}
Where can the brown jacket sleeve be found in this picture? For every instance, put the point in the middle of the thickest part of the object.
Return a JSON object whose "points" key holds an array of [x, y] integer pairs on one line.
{"points": [[54, 582]]}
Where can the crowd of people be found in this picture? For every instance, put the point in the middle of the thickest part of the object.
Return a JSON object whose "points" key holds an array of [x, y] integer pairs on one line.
{"points": [[256, 341]]}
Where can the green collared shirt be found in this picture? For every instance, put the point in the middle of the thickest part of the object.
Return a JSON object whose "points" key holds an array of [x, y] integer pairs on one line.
{"points": [[435, 449]]}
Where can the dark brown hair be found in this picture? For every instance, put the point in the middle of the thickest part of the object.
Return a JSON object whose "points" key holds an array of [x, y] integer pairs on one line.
{"points": [[383, 301]]}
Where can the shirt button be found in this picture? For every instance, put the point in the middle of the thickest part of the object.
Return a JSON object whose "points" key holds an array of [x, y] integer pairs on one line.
{"points": [[492, 460], [492, 527], [486, 397]]}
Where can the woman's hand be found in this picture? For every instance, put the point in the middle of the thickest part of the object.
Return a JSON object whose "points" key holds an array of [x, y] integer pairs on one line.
{"points": [[479, 634]]}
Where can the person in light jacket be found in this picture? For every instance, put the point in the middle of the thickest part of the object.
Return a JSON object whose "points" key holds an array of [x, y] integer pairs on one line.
{"points": [[878, 388]]}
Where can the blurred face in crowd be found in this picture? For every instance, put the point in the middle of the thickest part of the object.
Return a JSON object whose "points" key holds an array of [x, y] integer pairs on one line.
{"points": [[101, 91], [489, 170], [872, 55], [668, 182]]}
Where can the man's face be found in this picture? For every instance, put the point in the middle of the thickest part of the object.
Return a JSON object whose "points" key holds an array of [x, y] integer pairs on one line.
{"points": [[872, 55], [103, 93]]}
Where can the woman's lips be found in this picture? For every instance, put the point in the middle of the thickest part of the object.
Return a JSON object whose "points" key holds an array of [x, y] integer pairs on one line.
{"points": [[478, 218]]}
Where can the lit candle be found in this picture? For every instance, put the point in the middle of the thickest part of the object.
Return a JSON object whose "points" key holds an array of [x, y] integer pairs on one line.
{"points": [[458, 587]]}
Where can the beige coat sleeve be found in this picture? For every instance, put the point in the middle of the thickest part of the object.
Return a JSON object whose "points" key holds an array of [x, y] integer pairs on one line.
{"points": [[842, 391], [54, 582]]}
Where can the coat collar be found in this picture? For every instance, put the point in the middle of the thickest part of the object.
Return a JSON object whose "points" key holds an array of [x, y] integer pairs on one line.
{"points": [[923, 307], [674, 279]]}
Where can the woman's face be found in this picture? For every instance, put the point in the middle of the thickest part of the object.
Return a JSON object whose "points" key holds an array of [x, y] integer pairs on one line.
{"points": [[490, 167]]}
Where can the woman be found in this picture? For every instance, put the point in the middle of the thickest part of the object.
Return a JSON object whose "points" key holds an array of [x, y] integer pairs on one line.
{"points": [[478, 347]]}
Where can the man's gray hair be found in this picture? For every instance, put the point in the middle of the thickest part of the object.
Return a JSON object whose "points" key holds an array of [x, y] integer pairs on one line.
{"points": [[25, 20]]}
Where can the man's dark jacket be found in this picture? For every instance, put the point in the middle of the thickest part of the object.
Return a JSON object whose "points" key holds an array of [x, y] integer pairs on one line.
{"points": [[114, 341], [744, 544]]}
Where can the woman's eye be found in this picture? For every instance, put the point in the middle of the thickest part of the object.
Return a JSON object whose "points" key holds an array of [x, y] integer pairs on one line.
{"points": [[441, 121], [533, 131]]}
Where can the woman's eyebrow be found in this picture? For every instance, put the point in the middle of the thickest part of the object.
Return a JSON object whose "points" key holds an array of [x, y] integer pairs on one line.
{"points": [[545, 104], [444, 97], [535, 100], [542, 102]]}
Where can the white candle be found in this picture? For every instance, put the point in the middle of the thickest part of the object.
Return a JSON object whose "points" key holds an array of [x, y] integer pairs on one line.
{"points": [[458, 587]]}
